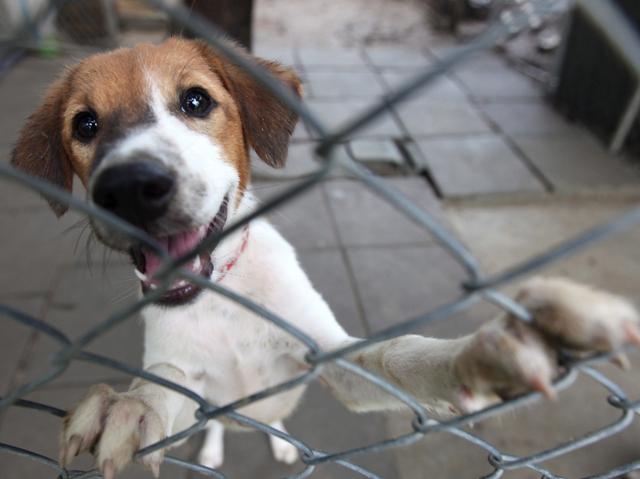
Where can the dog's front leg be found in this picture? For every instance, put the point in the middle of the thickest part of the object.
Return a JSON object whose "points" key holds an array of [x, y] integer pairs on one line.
{"points": [[504, 358], [115, 425], [423, 367]]}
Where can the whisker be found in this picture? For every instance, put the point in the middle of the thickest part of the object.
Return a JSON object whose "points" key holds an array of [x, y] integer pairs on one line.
{"points": [[79, 238], [81, 223], [105, 251], [88, 251], [124, 295]]}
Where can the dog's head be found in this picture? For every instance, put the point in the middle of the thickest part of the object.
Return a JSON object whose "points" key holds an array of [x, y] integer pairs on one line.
{"points": [[160, 136]]}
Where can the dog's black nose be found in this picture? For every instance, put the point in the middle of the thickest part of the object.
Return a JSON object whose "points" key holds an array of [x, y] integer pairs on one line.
{"points": [[136, 192]]}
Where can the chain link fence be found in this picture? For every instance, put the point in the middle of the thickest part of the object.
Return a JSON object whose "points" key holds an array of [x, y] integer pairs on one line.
{"points": [[477, 287]]}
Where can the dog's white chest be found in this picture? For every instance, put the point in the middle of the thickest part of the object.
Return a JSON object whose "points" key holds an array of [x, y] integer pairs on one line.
{"points": [[228, 351]]}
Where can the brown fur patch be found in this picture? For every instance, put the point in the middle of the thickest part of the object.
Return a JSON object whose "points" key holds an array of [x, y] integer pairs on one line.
{"points": [[267, 123], [40, 149]]}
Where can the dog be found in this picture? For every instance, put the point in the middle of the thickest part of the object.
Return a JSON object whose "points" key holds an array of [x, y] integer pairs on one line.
{"points": [[160, 135]]}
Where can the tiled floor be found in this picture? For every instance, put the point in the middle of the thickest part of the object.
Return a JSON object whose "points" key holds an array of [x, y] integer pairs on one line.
{"points": [[482, 133]]}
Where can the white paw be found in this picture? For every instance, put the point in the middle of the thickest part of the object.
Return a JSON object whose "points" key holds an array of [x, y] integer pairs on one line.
{"points": [[212, 452], [115, 426], [212, 459], [283, 451], [508, 357]]}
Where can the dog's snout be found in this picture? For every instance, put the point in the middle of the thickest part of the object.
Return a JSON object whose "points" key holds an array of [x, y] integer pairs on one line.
{"points": [[137, 192]]}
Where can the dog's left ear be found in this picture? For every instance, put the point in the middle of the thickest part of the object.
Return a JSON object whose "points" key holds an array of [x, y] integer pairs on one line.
{"points": [[267, 123], [39, 150]]}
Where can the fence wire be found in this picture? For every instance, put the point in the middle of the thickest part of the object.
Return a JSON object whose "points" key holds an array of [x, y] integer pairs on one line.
{"points": [[478, 286]]}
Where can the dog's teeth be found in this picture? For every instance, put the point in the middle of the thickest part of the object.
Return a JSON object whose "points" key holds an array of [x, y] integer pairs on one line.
{"points": [[182, 283], [197, 264], [141, 277], [153, 286]]}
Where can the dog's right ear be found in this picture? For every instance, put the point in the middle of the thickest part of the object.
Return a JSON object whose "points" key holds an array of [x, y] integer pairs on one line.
{"points": [[39, 150], [267, 123]]}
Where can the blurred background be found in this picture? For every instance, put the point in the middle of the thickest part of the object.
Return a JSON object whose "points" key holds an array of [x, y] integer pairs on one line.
{"points": [[515, 150]]}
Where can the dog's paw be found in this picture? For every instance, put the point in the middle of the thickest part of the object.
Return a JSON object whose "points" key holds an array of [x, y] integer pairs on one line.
{"points": [[212, 452], [283, 451], [113, 427], [580, 317], [508, 356], [211, 457]]}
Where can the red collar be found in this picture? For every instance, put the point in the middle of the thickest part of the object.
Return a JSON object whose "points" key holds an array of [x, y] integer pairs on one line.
{"points": [[228, 266]]}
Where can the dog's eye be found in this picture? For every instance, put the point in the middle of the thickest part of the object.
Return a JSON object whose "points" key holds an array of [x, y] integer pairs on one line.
{"points": [[85, 126], [196, 102]]}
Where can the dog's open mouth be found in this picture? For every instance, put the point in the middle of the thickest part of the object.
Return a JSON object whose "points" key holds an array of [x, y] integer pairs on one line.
{"points": [[147, 263]]}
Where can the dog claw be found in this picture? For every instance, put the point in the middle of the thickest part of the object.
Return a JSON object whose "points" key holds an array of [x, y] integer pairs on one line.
{"points": [[71, 450], [62, 456], [108, 469], [632, 333], [622, 361], [155, 469], [542, 385]]}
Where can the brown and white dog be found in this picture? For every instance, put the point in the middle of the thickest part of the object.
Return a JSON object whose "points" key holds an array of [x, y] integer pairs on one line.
{"points": [[160, 136]]}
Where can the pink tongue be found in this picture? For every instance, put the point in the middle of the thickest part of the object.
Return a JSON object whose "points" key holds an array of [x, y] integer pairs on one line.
{"points": [[175, 245]]}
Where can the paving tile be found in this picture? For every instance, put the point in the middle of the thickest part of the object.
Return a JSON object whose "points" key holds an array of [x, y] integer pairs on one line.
{"points": [[375, 151], [328, 274], [21, 91], [15, 335], [476, 165], [39, 432], [398, 283], [441, 45], [502, 234], [300, 163], [35, 243], [320, 58], [529, 118], [443, 89], [326, 424], [381, 156], [321, 422], [364, 218], [485, 61], [335, 112], [82, 299], [13, 195], [247, 454], [575, 162], [300, 132], [345, 84], [438, 455], [397, 58], [305, 221], [45, 69], [499, 84], [441, 118], [10, 125]]}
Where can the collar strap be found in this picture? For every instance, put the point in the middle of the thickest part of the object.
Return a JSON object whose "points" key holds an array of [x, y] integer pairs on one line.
{"points": [[228, 266]]}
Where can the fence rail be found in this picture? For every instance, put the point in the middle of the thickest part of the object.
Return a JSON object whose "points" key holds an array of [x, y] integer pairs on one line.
{"points": [[478, 286]]}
